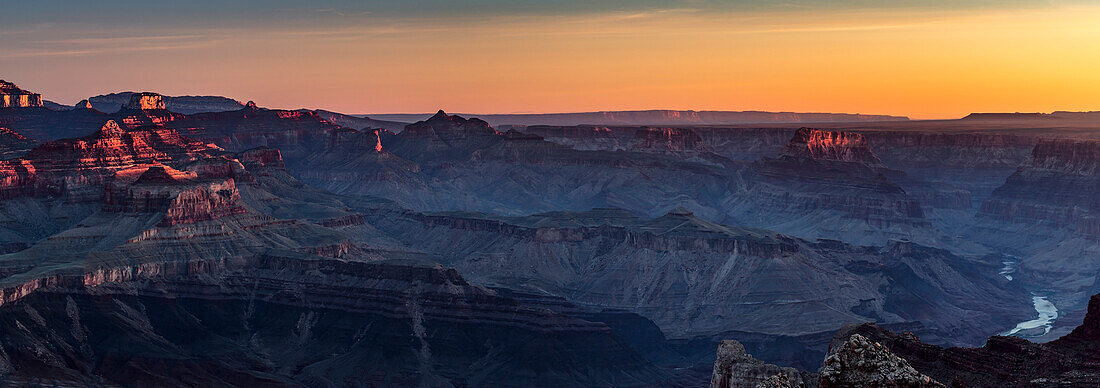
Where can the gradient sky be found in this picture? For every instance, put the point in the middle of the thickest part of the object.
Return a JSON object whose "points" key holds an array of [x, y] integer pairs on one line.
{"points": [[924, 59]]}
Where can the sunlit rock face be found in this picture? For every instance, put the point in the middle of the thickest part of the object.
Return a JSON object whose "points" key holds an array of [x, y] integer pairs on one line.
{"points": [[830, 145], [145, 101], [11, 96]]}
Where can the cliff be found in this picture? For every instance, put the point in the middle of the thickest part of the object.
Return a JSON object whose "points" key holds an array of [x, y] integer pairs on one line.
{"points": [[1056, 187], [735, 368], [256, 320], [831, 146], [145, 101], [11, 96]]}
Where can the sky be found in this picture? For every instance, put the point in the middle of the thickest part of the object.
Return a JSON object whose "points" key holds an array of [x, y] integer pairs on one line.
{"points": [[924, 59]]}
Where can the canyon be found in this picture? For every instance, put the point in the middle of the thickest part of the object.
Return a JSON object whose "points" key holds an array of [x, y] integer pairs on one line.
{"points": [[174, 241]]}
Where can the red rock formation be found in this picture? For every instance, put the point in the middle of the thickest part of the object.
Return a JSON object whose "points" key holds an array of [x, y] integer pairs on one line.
{"points": [[79, 168], [830, 145], [12, 96], [146, 101]]}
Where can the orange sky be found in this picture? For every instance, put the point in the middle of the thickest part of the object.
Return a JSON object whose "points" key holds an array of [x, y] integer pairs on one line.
{"points": [[924, 63]]}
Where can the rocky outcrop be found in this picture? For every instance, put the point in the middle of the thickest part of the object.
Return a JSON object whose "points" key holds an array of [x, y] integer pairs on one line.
{"points": [[12, 96], [735, 368], [1004, 361], [859, 362], [145, 101], [79, 168], [830, 146]]}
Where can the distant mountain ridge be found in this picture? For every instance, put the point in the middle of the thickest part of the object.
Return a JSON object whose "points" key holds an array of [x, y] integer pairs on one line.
{"points": [[657, 117], [180, 104]]}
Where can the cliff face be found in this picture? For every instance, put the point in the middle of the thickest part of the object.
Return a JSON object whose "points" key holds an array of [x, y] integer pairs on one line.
{"points": [[209, 322], [826, 174], [1055, 188], [734, 368], [145, 101], [80, 167], [681, 272], [830, 146], [12, 96]]}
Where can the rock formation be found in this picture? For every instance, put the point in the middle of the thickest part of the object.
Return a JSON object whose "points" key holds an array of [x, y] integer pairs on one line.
{"points": [[831, 146], [12, 96], [859, 362], [1004, 361], [734, 368], [145, 101], [177, 104]]}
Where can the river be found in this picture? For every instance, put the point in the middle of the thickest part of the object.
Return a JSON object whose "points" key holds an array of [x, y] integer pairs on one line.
{"points": [[1047, 312]]}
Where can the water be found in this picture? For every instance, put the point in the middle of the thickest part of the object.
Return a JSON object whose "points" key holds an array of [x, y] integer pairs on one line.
{"points": [[1008, 268], [1047, 314]]}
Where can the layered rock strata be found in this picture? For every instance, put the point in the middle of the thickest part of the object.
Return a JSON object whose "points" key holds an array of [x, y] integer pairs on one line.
{"points": [[11, 96]]}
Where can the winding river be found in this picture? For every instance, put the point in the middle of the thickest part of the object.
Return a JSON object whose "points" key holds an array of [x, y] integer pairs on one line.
{"points": [[1047, 312]]}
